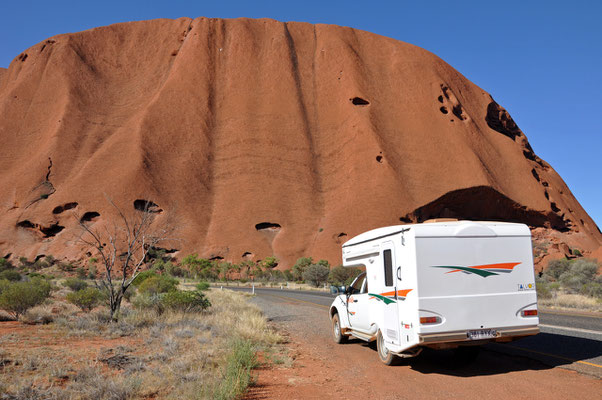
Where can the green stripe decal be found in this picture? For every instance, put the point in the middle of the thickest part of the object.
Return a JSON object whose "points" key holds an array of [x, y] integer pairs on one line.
{"points": [[481, 272], [386, 300]]}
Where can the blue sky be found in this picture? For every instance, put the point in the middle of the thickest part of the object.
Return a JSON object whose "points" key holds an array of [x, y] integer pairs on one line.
{"points": [[541, 60]]}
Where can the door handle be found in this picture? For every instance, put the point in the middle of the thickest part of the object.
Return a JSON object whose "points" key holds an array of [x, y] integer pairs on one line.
{"points": [[398, 273], [354, 300]]}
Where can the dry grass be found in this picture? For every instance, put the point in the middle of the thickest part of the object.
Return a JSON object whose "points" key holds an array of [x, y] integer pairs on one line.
{"points": [[571, 301], [144, 355]]}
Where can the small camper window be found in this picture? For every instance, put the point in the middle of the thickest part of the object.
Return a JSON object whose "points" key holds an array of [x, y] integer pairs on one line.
{"points": [[388, 263]]}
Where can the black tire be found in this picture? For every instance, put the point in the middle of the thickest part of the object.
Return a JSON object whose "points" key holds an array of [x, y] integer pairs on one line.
{"points": [[384, 354], [337, 335]]}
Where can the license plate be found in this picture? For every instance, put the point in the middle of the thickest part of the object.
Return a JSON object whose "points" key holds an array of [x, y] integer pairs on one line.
{"points": [[481, 334]]}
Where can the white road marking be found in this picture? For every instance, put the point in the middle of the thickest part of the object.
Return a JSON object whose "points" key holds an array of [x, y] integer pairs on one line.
{"points": [[564, 328]]}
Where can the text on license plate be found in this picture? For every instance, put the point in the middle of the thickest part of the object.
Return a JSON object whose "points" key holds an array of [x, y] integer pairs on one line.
{"points": [[481, 334]]}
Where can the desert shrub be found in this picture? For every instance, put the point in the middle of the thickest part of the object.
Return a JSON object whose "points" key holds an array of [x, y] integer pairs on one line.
{"points": [[144, 275], [4, 284], [592, 289], [557, 268], [5, 264], [199, 267], [579, 273], [158, 284], [92, 272], [37, 316], [80, 272], [202, 286], [18, 297], [317, 274], [237, 374], [148, 302], [10, 275], [288, 274], [243, 280], [75, 284], [175, 270], [300, 266], [543, 290], [86, 299], [188, 301], [340, 275]]}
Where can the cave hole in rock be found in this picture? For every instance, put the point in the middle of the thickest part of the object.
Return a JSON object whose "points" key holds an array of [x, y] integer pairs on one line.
{"points": [[147, 206], [267, 225], [535, 175], [379, 159], [52, 230], [483, 203], [89, 216], [7, 256], [554, 207], [440, 98], [247, 254], [39, 257], [342, 234], [457, 111], [582, 223], [499, 120], [64, 207], [406, 220], [545, 193], [22, 57], [443, 110], [216, 258], [358, 101], [26, 224]]}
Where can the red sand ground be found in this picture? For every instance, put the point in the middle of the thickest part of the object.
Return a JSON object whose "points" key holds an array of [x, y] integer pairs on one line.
{"points": [[320, 131]]}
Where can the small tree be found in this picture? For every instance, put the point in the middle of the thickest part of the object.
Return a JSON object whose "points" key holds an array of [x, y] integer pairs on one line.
{"points": [[268, 265], [317, 274], [123, 250], [300, 266], [75, 284]]}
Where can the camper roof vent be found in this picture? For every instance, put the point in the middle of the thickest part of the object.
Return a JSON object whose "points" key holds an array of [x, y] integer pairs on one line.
{"points": [[473, 229]]}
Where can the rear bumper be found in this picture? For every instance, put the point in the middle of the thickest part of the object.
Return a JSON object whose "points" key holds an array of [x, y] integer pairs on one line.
{"points": [[503, 335]]}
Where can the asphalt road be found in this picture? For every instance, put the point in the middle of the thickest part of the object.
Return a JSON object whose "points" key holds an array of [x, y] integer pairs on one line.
{"points": [[568, 339]]}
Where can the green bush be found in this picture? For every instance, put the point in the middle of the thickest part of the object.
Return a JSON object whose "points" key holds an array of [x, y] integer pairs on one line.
{"points": [[543, 290], [86, 299], [4, 284], [158, 284], [10, 275], [300, 266], [18, 297], [75, 284], [317, 274], [5, 264], [237, 374], [557, 268], [202, 286], [288, 274], [144, 275], [579, 273], [340, 275], [175, 270], [593, 289], [146, 302], [185, 301]]}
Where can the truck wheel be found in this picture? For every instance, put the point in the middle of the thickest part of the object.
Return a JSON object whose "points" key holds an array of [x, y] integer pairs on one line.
{"points": [[336, 330], [384, 354]]}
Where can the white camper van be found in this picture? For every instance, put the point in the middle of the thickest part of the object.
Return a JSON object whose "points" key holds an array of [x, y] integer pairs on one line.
{"points": [[439, 285]]}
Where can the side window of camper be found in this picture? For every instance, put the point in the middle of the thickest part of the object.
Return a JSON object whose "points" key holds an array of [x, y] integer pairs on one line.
{"points": [[357, 285], [388, 263]]}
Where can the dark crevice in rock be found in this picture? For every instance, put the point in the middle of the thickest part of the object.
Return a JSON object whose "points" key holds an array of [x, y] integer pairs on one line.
{"points": [[499, 120], [267, 225], [146, 206], [358, 101], [216, 258], [535, 175], [26, 224], [39, 257], [443, 110], [379, 159], [52, 230], [406, 220], [64, 207], [247, 254], [89, 216]]}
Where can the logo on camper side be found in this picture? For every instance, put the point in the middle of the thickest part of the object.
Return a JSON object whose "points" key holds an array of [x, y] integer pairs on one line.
{"points": [[389, 297], [481, 270]]}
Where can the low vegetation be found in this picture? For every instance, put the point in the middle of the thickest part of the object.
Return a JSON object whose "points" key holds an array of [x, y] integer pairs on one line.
{"points": [[572, 284]]}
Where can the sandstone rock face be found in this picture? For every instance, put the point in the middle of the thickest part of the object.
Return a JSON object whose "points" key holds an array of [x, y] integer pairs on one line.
{"points": [[258, 137]]}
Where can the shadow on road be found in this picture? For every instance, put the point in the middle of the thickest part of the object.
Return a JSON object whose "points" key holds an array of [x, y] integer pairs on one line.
{"points": [[540, 352]]}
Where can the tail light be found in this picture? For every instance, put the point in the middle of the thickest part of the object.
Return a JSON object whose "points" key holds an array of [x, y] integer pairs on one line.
{"points": [[429, 320], [528, 313]]}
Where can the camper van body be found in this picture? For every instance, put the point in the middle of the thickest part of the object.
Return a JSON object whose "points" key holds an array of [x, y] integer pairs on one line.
{"points": [[443, 284]]}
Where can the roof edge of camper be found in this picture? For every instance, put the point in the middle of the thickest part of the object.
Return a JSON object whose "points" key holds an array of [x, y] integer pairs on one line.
{"points": [[377, 237]]}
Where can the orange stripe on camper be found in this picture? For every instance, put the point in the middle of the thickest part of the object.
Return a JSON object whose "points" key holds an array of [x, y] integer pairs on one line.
{"points": [[400, 293], [509, 266]]}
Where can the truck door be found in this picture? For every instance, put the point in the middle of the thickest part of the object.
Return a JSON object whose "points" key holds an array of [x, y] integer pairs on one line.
{"points": [[391, 307], [359, 313]]}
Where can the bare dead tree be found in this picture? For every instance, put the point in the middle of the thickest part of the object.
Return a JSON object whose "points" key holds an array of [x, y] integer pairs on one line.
{"points": [[123, 248]]}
